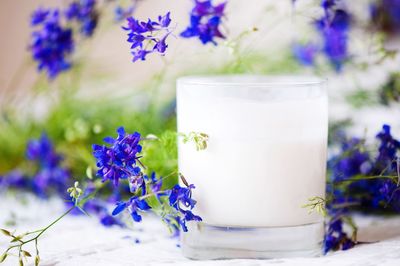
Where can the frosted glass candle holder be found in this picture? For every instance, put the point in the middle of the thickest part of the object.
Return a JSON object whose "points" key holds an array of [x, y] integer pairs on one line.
{"points": [[266, 157]]}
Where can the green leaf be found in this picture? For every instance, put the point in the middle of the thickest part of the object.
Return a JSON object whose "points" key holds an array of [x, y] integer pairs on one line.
{"points": [[21, 262], [3, 257], [5, 232], [37, 260], [26, 253]]}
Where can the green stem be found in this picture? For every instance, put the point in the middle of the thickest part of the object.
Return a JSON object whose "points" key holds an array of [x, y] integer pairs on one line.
{"points": [[365, 178]]}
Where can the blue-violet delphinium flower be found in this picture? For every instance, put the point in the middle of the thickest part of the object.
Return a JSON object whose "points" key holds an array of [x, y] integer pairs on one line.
{"points": [[119, 159], [85, 13], [180, 198], [148, 36], [205, 21], [335, 237], [51, 43], [334, 28], [49, 176], [353, 162], [305, 53]]}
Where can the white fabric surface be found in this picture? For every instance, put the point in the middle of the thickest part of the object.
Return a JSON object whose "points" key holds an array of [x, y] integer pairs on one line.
{"points": [[83, 241]]}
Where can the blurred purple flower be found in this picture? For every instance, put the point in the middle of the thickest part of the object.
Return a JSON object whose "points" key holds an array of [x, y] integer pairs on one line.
{"points": [[305, 53], [51, 44], [205, 21], [85, 13], [334, 27]]}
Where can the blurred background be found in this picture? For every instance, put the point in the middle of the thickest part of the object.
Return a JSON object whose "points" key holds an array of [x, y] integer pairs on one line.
{"points": [[355, 44]]}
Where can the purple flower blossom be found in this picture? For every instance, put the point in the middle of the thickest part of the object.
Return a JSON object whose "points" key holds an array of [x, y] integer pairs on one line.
{"points": [[148, 37], [351, 161], [119, 159], [42, 151], [336, 238], [387, 150], [334, 27], [305, 53], [85, 13], [39, 16], [134, 205], [51, 44], [48, 176], [205, 21], [180, 199]]}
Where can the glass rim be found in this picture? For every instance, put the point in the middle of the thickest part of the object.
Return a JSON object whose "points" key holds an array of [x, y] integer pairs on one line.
{"points": [[249, 80]]}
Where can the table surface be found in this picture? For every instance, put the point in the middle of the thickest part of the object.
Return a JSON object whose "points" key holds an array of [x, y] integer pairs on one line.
{"points": [[81, 240]]}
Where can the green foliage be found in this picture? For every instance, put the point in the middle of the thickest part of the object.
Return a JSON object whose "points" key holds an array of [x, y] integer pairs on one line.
{"points": [[390, 92], [74, 125], [362, 98], [160, 155]]}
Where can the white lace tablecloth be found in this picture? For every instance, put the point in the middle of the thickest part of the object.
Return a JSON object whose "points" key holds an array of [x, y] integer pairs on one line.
{"points": [[81, 241]]}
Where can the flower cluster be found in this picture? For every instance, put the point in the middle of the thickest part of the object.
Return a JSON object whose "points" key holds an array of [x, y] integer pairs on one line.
{"points": [[85, 13], [205, 21], [119, 160], [335, 237], [354, 162], [361, 180], [334, 27], [148, 36], [51, 43], [50, 176]]}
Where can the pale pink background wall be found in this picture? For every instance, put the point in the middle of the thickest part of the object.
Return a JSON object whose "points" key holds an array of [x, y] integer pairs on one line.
{"points": [[106, 57]]}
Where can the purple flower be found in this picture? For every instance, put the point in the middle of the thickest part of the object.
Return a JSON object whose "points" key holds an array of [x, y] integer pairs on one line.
{"points": [[48, 176], [51, 44], [335, 237], [205, 21], [39, 16], [148, 36], [351, 161], [155, 184], [15, 179], [388, 148], [180, 199], [305, 53], [119, 159], [85, 13], [334, 27], [135, 205], [42, 151]]}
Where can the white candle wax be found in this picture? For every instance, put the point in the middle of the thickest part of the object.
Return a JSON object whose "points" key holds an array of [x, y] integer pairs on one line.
{"points": [[266, 153]]}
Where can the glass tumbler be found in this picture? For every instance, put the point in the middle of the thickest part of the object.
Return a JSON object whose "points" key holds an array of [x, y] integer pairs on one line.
{"points": [[266, 157]]}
